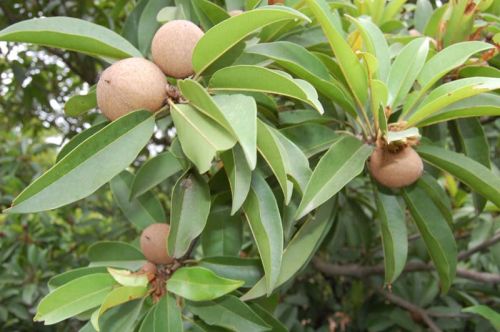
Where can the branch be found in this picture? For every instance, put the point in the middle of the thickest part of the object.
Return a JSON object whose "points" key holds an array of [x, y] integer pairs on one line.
{"points": [[480, 247]]}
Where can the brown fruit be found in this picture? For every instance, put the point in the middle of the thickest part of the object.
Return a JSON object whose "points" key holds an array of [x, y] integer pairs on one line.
{"points": [[149, 267], [154, 243], [173, 46], [395, 169], [128, 85], [235, 12]]}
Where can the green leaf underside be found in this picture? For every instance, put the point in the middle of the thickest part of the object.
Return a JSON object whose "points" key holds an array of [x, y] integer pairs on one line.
{"points": [[222, 37], [300, 249], [435, 232], [80, 104], [78, 139], [260, 79], [186, 223], [247, 269], [238, 174], [71, 34], [200, 284], [74, 297], [478, 177], [115, 254], [262, 214], [338, 166], [65, 277], [165, 316], [110, 150]]}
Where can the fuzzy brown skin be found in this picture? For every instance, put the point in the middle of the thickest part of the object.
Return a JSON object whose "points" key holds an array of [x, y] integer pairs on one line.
{"points": [[395, 169], [154, 243], [128, 85], [173, 45]]}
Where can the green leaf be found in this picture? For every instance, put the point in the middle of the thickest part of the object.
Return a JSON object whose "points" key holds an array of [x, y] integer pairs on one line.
{"points": [[275, 156], [247, 269], [394, 235], [223, 234], [187, 222], [72, 34], [450, 93], [268, 317], [222, 37], [200, 284], [209, 13], [200, 137], [169, 13], [123, 318], [337, 167], [262, 214], [229, 312], [423, 13], [260, 79], [147, 25], [435, 232], [437, 194], [74, 297], [64, 278], [449, 58], [405, 69], [80, 104], [167, 316], [142, 211], [301, 248], [311, 138], [110, 150], [78, 139], [128, 278], [238, 174], [487, 313], [115, 254], [478, 177], [351, 67], [153, 172], [116, 297]]}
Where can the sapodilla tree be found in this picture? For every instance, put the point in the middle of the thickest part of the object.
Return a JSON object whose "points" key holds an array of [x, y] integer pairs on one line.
{"points": [[173, 45], [128, 85]]}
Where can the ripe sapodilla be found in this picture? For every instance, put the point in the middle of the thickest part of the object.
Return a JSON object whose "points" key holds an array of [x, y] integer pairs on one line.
{"points": [[395, 169], [173, 45], [154, 243], [128, 85]]}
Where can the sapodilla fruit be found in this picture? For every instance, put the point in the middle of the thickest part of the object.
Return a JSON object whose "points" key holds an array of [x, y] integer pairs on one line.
{"points": [[173, 46], [395, 169], [154, 243], [128, 85]]}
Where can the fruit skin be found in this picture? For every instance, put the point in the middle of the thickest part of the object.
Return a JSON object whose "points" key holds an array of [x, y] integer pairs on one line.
{"points": [[395, 169], [154, 243], [128, 85], [172, 47]]}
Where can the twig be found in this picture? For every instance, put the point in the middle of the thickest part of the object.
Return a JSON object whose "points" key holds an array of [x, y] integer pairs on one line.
{"points": [[486, 244], [417, 312]]}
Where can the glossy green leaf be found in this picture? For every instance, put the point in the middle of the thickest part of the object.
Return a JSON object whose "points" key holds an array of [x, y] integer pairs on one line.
{"points": [[301, 248], [115, 254], [142, 211], [78, 139], [209, 13], [435, 232], [270, 148], [247, 269], [74, 297], [123, 318], [450, 93], [239, 176], [80, 104], [65, 277], [262, 214], [338, 166], [487, 313], [392, 220], [260, 79], [110, 150], [311, 138], [229, 312], [405, 69], [72, 34], [200, 136], [478, 177], [230, 32], [186, 222], [200, 284], [351, 67], [153, 172], [168, 316]]}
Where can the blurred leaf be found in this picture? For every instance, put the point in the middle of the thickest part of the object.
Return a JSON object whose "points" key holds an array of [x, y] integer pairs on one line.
{"points": [[142, 211], [423, 12], [186, 221], [74, 297], [262, 214], [78, 139], [79, 104], [338, 166], [209, 13], [148, 24], [115, 254], [487, 313], [72, 34], [110, 150], [247, 269], [230, 32], [238, 174]]}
